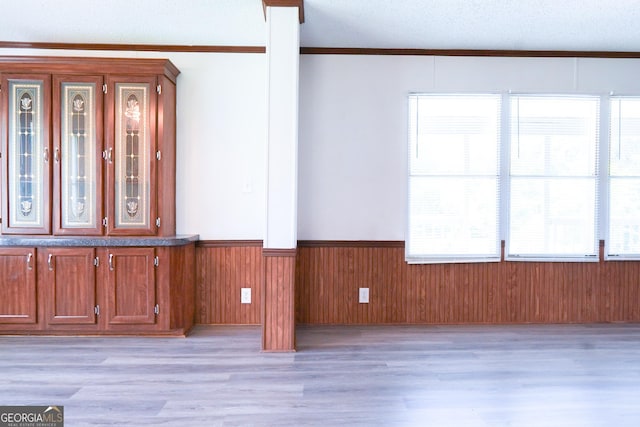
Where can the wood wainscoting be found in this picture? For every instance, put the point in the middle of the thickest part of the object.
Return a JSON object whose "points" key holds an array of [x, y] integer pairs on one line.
{"points": [[329, 273], [278, 300], [328, 276], [223, 268]]}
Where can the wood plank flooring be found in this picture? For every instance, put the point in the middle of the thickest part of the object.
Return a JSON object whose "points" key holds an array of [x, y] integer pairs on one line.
{"points": [[523, 375]]}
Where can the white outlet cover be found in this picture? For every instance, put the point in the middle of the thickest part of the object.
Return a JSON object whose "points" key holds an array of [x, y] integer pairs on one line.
{"points": [[363, 296], [245, 295]]}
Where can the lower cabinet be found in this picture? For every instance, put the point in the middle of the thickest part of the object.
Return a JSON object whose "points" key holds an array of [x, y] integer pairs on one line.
{"points": [[18, 292], [89, 290], [131, 288], [68, 287]]}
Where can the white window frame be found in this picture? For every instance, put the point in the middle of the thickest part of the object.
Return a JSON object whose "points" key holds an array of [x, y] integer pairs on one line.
{"points": [[609, 253], [496, 256], [507, 195], [602, 183]]}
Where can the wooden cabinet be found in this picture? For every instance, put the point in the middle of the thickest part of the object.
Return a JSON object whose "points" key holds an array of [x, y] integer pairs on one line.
{"points": [[18, 294], [77, 116], [100, 289], [110, 151], [131, 284], [68, 287], [131, 156], [87, 169], [25, 101], [97, 290]]}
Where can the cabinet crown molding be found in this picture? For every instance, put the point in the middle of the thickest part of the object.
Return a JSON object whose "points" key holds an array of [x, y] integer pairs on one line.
{"points": [[75, 65]]}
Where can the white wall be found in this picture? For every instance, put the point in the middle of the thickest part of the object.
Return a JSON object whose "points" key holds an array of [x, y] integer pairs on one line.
{"points": [[221, 139], [173, 22], [353, 126], [352, 131], [352, 139], [221, 128]]}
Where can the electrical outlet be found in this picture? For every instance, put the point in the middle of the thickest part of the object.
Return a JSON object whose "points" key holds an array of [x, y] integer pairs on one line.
{"points": [[363, 296], [245, 295]]}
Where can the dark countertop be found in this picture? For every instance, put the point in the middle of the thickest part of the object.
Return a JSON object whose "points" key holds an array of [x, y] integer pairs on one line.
{"points": [[98, 241]]}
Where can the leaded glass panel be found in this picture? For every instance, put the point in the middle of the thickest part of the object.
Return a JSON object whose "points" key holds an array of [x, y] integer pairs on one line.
{"points": [[26, 154], [78, 147], [132, 170]]}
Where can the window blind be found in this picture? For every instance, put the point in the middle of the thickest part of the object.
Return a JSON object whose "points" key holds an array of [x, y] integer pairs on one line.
{"points": [[624, 179], [553, 178], [454, 185]]}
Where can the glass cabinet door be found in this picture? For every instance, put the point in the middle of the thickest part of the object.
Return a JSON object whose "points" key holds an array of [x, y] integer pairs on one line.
{"points": [[131, 157], [25, 140], [77, 155]]}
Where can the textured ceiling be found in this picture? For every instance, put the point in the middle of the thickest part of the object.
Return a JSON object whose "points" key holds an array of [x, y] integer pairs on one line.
{"points": [[474, 24], [423, 24]]}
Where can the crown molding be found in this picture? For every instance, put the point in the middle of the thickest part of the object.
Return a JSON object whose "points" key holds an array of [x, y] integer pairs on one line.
{"points": [[133, 47], [324, 50], [469, 52]]}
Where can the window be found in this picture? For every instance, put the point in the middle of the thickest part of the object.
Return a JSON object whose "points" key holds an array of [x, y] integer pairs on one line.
{"points": [[553, 178], [454, 178], [624, 179]]}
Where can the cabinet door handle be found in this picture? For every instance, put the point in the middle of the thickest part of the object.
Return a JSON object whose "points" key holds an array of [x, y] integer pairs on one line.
{"points": [[29, 258], [111, 263], [110, 155], [49, 262], [56, 154], [46, 154]]}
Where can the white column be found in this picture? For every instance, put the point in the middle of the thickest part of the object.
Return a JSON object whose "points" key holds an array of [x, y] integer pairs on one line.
{"points": [[283, 51]]}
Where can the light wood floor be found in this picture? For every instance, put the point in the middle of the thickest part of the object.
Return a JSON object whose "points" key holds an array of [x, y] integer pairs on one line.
{"points": [[555, 375]]}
